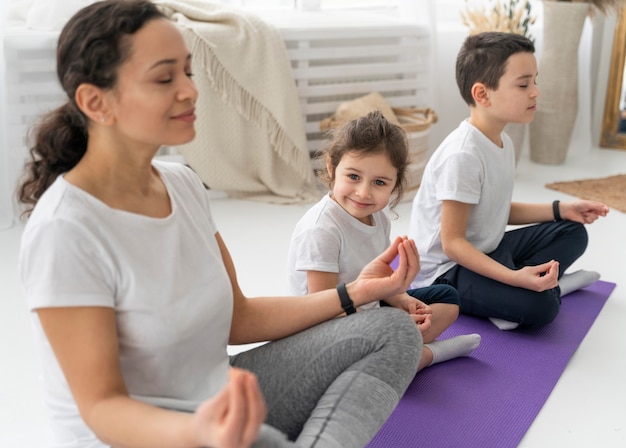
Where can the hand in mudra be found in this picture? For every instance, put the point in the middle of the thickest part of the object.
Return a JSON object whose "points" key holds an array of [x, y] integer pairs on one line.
{"points": [[378, 278], [233, 417]]}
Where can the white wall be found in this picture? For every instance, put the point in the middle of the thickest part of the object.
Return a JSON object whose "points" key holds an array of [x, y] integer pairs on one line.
{"points": [[594, 59], [447, 101], [6, 207], [448, 35]]}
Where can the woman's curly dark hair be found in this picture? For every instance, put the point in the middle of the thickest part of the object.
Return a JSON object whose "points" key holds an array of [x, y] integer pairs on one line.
{"points": [[91, 47]]}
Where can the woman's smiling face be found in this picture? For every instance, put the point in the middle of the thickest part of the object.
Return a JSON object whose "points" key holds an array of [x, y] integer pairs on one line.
{"points": [[153, 100]]}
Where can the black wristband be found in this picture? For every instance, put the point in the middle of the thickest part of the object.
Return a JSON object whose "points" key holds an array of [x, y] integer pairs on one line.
{"points": [[555, 211], [346, 302]]}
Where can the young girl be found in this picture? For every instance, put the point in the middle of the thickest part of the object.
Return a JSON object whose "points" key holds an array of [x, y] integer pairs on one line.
{"points": [[366, 163], [134, 294]]}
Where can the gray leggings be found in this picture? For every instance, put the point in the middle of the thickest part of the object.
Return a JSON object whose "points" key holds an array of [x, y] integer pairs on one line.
{"points": [[334, 385]]}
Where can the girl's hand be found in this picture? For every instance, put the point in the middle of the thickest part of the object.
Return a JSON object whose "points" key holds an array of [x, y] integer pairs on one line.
{"points": [[421, 307], [538, 278], [233, 418], [418, 310], [423, 322], [421, 314], [409, 304], [583, 211]]}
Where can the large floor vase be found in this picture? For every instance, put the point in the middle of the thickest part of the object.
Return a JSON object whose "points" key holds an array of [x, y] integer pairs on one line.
{"points": [[557, 106]]}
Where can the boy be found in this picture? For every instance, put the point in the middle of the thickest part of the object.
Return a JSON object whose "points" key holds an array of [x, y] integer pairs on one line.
{"points": [[463, 206]]}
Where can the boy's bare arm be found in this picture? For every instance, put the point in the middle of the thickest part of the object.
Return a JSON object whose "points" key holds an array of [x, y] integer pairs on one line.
{"points": [[454, 218], [582, 211], [524, 213]]}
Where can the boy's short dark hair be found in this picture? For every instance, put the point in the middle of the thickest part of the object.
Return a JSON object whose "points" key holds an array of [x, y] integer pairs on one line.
{"points": [[483, 58]]}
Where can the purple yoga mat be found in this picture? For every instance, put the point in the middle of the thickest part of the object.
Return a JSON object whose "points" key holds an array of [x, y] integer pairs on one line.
{"points": [[490, 398]]}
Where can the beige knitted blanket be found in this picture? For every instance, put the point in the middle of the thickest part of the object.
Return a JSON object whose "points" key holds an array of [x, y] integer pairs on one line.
{"points": [[250, 138]]}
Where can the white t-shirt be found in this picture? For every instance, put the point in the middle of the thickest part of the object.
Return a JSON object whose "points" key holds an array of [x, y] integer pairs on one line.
{"points": [[329, 239], [164, 277], [469, 168]]}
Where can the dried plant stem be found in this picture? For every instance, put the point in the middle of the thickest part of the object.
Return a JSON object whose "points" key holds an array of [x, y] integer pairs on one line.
{"points": [[513, 16]]}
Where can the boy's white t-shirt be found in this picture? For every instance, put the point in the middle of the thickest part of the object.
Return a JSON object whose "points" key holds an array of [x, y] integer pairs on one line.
{"points": [[467, 167], [328, 239], [164, 278]]}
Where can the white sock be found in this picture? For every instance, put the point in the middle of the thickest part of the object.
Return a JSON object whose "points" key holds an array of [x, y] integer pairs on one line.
{"points": [[446, 349], [577, 280], [503, 324]]}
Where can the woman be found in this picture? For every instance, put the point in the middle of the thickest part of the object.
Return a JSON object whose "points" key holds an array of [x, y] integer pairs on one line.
{"points": [[134, 293]]}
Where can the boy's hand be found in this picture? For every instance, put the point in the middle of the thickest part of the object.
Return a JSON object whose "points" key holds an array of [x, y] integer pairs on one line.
{"points": [[583, 211], [538, 278]]}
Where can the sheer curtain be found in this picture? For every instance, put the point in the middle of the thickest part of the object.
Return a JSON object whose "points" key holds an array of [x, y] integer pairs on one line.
{"points": [[6, 203]]}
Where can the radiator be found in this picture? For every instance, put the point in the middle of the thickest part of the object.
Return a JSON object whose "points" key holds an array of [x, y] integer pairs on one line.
{"points": [[31, 84], [335, 57], [30, 89]]}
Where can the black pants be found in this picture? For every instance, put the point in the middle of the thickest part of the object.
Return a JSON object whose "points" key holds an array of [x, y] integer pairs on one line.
{"points": [[562, 241]]}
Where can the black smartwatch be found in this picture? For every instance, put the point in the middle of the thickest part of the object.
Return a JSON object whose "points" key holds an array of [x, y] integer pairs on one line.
{"points": [[346, 302]]}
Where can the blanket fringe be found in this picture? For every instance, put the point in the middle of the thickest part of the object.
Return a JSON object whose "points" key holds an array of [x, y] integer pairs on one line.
{"points": [[250, 108]]}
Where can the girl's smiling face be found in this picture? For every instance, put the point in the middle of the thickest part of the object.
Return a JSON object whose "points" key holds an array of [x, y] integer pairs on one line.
{"points": [[363, 184], [153, 100]]}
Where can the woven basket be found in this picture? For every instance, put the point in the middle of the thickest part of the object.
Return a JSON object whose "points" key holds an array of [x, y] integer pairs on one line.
{"points": [[359, 107], [416, 124]]}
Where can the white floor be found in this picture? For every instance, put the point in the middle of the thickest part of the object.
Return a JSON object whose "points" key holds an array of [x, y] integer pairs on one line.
{"points": [[587, 407]]}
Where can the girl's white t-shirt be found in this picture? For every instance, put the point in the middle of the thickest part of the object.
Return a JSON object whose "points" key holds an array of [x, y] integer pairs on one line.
{"points": [[328, 239], [164, 278]]}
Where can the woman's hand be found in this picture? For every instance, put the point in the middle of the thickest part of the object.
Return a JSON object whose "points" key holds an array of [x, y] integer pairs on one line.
{"points": [[233, 418], [378, 279]]}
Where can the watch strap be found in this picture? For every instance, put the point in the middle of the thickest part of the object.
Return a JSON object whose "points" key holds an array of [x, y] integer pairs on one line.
{"points": [[346, 302]]}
